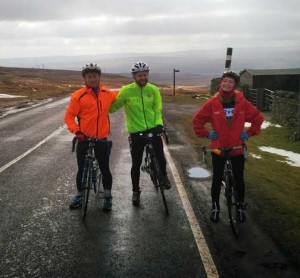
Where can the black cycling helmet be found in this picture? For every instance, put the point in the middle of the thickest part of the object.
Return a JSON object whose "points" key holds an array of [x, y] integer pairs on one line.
{"points": [[91, 67], [232, 75]]}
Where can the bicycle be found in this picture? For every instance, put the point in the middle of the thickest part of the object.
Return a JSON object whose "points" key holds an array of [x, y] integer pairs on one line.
{"points": [[151, 164], [92, 176], [228, 182]]}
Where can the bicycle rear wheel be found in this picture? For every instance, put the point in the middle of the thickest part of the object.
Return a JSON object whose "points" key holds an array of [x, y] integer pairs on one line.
{"points": [[230, 195], [159, 178], [88, 175]]}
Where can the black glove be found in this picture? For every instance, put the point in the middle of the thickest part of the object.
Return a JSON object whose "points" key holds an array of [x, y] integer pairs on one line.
{"points": [[159, 129]]}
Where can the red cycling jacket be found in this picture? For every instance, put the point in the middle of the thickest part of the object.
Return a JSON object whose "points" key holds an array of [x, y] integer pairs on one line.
{"points": [[91, 112], [229, 135]]}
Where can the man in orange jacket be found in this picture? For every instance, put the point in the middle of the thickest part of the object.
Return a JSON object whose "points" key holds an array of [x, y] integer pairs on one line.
{"points": [[227, 111], [90, 105]]}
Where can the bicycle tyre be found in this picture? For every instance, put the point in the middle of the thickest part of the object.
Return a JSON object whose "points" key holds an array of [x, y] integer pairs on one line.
{"points": [[153, 176], [231, 200], [87, 187], [159, 178]]}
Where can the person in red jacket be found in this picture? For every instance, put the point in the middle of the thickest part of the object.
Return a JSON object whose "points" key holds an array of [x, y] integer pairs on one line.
{"points": [[90, 106], [227, 111]]}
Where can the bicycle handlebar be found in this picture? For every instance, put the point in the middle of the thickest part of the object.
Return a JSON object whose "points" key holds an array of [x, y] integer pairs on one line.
{"points": [[225, 150], [90, 140], [151, 134]]}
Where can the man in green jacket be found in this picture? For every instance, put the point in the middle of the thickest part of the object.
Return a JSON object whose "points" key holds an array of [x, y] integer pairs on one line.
{"points": [[143, 108]]}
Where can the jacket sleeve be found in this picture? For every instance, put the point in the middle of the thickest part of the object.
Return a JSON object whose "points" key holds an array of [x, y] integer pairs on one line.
{"points": [[157, 107], [114, 95], [201, 118], [254, 117], [119, 101], [70, 114]]}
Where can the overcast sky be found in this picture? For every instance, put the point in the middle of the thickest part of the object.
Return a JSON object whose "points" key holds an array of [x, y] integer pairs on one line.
{"points": [[84, 27]]}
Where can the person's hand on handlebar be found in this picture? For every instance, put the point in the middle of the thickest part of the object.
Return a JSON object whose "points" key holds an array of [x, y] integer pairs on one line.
{"points": [[80, 136]]}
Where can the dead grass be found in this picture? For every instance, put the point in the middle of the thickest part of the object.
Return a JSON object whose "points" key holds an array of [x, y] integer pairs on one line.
{"points": [[39, 84]]}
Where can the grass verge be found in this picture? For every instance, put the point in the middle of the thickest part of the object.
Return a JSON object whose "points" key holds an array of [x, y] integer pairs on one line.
{"points": [[272, 185]]}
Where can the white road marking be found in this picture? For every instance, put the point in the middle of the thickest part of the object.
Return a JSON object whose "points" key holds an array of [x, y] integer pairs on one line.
{"points": [[56, 132], [203, 249]]}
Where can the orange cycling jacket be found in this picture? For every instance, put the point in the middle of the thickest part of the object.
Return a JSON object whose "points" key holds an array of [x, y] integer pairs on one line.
{"points": [[229, 135], [91, 112]]}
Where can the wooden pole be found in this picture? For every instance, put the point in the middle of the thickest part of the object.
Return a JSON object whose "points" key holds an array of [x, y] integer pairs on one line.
{"points": [[174, 71]]}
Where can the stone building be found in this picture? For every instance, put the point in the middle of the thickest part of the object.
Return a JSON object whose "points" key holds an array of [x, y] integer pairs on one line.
{"points": [[272, 79]]}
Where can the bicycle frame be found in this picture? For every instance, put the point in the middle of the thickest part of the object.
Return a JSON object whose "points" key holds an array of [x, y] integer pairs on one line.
{"points": [[228, 182], [90, 178]]}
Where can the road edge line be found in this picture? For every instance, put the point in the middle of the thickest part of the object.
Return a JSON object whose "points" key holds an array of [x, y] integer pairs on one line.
{"points": [[7, 165], [203, 249]]}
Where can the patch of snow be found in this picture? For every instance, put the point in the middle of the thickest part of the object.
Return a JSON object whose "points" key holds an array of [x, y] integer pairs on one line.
{"points": [[9, 96], [292, 158], [264, 125], [255, 155], [13, 110]]}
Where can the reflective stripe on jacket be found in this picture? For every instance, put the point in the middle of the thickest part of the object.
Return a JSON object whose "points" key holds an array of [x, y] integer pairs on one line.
{"points": [[91, 112], [213, 112], [143, 106]]}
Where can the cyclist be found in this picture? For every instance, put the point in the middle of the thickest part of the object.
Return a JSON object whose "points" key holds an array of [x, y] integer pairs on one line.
{"points": [[143, 108], [227, 111], [90, 105]]}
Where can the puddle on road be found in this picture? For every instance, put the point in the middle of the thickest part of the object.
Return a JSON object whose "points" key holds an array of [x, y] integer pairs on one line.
{"points": [[198, 172]]}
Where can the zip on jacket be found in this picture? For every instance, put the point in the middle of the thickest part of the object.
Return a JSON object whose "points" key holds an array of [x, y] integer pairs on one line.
{"points": [[144, 108]]}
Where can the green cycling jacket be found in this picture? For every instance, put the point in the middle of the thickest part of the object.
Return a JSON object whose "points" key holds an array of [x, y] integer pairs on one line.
{"points": [[143, 106]]}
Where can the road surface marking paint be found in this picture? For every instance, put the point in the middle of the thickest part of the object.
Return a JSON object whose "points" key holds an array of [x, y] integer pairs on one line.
{"points": [[204, 252], [56, 132]]}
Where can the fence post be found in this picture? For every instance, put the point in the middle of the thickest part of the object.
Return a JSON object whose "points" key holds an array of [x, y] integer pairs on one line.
{"points": [[260, 99], [298, 125]]}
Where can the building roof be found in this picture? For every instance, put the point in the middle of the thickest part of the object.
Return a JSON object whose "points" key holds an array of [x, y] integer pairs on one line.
{"points": [[295, 71]]}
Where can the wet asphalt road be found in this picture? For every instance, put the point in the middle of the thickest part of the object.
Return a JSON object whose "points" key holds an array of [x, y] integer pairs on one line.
{"points": [[41, 237]]}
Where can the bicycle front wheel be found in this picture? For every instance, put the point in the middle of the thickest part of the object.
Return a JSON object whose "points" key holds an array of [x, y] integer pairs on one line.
{"points": [[159, 178], [231, 200], [88, 185], [153, 175]]}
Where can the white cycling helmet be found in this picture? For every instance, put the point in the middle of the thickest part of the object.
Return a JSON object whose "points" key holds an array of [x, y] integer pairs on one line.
{"points": [[139, 66], [91, 67]]}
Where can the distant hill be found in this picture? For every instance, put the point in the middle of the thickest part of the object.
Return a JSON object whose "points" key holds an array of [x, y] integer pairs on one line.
{"points": [[182, 79], [203, 62]]}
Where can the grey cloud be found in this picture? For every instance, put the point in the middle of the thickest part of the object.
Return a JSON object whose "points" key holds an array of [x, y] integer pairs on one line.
{"points": [[58, 27], [38, 10]]}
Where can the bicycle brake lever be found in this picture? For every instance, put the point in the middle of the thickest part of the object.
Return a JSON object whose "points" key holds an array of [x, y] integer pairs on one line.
{"points": [[74, 141]]}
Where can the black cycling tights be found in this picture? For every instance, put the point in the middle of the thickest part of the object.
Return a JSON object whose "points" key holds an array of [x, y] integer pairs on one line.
{"points": [[238, 163], [102, 157], [137, 146]]}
